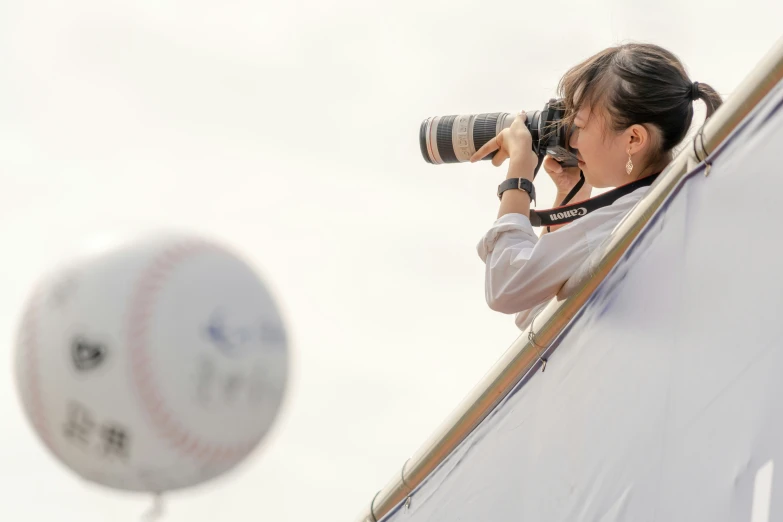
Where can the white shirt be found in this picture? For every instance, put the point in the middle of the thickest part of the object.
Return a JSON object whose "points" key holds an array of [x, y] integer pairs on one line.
{"points": [[523, 272]]}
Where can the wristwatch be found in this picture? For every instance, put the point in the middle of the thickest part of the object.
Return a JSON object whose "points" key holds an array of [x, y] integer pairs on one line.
{"points": [[520, 184]]}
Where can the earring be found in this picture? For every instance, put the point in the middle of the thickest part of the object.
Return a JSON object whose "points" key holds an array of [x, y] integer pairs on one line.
{"points": [[629, 165]]}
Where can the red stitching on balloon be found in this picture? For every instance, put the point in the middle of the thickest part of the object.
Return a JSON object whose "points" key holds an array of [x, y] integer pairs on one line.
{"points": [[139, 315]]}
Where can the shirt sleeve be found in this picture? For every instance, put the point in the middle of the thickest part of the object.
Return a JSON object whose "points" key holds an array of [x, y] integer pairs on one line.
{"points": [[524, 318], [523, 271]]}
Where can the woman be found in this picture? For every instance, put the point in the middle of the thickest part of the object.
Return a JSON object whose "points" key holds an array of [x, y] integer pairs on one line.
{"points": [[630, 106]]}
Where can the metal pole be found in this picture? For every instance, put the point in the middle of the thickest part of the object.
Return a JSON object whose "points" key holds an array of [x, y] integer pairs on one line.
{"points": [[524, 354]]}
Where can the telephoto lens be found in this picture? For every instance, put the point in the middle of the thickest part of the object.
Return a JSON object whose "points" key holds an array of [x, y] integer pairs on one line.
{"points": [[455, 138]]}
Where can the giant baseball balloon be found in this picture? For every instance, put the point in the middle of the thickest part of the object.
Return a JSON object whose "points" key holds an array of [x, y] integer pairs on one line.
{"points": [[154, 365]]}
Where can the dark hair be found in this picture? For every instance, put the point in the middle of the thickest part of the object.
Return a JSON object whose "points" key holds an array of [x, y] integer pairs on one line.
{"points": [[638, 84]]}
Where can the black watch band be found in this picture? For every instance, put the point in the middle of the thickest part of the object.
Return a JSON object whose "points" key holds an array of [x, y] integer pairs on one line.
{"points": [[519, 184]]}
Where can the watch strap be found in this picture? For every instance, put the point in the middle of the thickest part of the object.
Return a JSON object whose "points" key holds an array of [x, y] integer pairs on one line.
{"points": [[518, 184]]}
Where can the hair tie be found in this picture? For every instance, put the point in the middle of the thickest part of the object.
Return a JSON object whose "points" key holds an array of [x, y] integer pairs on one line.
{"points": [[694, 92]]}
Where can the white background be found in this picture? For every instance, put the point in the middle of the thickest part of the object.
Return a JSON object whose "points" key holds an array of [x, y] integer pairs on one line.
{"points": [[290, 131]]}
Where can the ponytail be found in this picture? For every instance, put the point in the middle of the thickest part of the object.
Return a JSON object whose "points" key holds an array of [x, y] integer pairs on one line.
{"points": [[710, 97]]}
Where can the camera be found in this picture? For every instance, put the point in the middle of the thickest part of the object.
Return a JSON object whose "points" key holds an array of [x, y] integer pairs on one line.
{"points": [[455, 138]]}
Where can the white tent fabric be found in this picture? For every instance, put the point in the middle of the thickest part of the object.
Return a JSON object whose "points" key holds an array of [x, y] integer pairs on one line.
{"points": [[663, 399]]}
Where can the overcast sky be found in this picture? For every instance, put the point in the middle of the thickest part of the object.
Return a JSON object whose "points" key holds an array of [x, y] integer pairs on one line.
{"points": [[290, 131]]}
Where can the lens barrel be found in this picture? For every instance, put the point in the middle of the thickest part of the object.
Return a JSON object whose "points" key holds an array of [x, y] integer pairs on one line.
{"points": [[455, 138]]}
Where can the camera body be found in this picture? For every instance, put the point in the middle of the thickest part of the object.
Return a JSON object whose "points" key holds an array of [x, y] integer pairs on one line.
{"points": [[455, 138]]}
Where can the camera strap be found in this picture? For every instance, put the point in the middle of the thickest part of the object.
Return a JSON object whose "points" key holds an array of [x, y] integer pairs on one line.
{"points": [[568, 213], [575, 190]]}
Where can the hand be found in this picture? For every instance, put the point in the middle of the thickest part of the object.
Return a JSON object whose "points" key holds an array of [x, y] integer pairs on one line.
{"points": [[513, 142], [564, 179]]}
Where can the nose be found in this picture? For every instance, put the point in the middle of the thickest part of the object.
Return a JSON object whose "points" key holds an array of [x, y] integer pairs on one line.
{"points": [[574, 138]]}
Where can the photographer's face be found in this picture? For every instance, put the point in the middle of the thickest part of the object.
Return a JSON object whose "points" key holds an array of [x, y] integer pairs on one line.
{"points": [[601, 152]]}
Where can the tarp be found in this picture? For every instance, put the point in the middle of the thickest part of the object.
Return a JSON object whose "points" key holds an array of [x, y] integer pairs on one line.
{"points": [[663, 399]]}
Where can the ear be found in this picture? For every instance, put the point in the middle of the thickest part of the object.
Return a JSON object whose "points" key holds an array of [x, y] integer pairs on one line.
{"points": [[637, 138]]}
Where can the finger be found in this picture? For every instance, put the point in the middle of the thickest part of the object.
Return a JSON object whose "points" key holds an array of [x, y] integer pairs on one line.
{"points": [[551, 165], [489, 147], [519, 119], [486, 149], [499, 158]]}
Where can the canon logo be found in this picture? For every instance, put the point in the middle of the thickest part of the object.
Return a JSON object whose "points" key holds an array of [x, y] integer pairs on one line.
{"points": [[577, 212]]}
